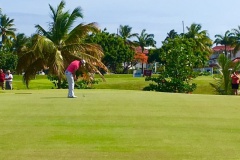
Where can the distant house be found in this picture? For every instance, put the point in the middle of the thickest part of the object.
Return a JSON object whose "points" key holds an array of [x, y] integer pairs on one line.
{"points": [[236, 57], [217, 50]]}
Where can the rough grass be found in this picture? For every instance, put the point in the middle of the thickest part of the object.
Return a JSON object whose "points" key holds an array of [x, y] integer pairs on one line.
{"points": [[114, 81], [118, 124]]}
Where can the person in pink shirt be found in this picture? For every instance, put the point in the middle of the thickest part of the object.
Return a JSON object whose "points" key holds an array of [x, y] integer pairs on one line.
{"points": [[71, 75]]}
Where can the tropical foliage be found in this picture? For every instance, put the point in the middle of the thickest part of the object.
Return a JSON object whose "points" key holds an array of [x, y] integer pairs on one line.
{"points": [[203, 43], [236, 40], [141, 57], [7, 31], [179, 62], [57, 47], [126, 33], [227, 40], [67, 39], [145, 40], [222, 83], [8, 58], [171, 35], [116, 51]]}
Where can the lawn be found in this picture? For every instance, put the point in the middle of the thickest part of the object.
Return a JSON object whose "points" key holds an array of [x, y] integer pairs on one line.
{"points": [[114, 81], [110, 124]]}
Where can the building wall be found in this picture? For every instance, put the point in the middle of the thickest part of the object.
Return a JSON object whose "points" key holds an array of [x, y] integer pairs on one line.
{"points": [[237, 55]]}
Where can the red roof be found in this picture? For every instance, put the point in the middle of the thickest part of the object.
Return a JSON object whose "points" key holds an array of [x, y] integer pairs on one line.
{"points": [[222, 48], [139, 50], [236, 59]]}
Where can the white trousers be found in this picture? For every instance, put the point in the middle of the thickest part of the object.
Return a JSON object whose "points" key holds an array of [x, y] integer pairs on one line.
{"points": [[70, 80]]}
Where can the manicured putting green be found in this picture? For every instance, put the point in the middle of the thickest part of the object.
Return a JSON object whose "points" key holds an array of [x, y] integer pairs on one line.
{"points": [[108, 124]]}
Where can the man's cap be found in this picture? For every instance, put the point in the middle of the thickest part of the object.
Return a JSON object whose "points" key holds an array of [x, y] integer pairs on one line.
{"points": [[83, 62]]}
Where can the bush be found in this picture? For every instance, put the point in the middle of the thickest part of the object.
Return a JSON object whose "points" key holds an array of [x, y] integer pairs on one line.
{"points": [[178, 67], [85, 84], [169, 85], [81, 84], [55, 81]]}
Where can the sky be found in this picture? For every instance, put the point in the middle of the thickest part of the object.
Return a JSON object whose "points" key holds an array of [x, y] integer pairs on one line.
{"points": [[158, 17]]}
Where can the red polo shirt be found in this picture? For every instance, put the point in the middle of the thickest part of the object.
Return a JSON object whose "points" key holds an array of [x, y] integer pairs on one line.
{"points": [[73, 66], [235, 79], [2, 77]]}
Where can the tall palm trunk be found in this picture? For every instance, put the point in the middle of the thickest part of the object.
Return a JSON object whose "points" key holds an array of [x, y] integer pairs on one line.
{"points": [[59, 83]]}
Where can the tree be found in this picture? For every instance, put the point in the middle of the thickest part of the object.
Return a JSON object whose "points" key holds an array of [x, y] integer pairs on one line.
{"points": [[172, 34], [60, 45], [203, 43], [179, 60], [6, 29], [117, 52], [236, 38], [227, 40], [8, 58], [20, 42], [145, 40], [125, 33], [141, 57], [156, 55]]}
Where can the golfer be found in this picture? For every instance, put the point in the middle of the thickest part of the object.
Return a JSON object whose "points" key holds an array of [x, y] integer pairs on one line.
{"points": [[71, 75]]}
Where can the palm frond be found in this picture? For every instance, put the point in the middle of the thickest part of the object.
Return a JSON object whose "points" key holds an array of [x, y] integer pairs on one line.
{"points": [[77, 13], [60, 45], [79, 33], [58, 11], [41, 30]]}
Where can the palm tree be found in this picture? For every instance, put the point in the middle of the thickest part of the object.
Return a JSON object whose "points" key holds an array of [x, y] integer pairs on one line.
{"points": [[145, 40], [19, 44], [203, 43], [201, 37], [172, 34], [236, 39], [6, 29], [125, 33], [60, 45], [226, 66], [227, 40]]}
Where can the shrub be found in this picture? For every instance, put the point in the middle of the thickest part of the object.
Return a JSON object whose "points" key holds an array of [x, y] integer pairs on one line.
{"points": [[178, 68]]}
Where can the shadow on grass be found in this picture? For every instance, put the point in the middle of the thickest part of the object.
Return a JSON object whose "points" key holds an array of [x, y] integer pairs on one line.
{"points": [[52, 97], [23, 93]]}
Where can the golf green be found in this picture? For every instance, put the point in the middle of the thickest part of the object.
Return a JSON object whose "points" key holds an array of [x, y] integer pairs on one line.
{"points": [[105, 124]]}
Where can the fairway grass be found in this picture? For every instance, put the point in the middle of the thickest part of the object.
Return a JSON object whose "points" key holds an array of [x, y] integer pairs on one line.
{"points": [[104, 124]]}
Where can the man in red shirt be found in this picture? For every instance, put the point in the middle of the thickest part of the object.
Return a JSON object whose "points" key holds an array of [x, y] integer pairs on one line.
{"points": [[235, 82], [2, 79], [71, 76]]}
